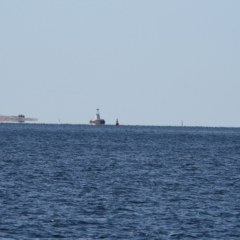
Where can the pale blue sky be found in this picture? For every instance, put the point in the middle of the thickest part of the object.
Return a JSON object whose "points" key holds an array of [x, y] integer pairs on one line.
{"points": [[143, 62]]}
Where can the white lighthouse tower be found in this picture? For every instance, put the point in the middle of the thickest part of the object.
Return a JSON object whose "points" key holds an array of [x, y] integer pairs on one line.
{"points": [[97, 117]]}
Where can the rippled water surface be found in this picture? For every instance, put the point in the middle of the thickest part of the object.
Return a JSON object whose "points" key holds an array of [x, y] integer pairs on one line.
{"points": [[125, 182]]}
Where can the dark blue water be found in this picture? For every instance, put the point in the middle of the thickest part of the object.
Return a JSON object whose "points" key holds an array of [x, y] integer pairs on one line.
{"points": [[126, 182]]}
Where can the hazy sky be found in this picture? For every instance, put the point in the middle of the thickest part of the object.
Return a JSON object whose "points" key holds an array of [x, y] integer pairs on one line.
{"points": [[143, 62]]}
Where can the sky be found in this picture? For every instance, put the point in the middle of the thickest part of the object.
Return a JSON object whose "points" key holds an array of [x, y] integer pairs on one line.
{"points": [[149, 62]]}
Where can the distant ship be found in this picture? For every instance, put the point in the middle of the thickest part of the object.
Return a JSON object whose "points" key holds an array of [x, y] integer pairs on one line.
{"points": [[97, 120], [20, 118]]}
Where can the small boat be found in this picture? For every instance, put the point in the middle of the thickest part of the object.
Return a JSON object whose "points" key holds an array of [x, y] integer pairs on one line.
{"points": [[97, 120], [117, 123]]}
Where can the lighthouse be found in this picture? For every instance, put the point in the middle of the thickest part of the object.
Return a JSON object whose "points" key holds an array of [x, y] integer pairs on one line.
{"points": [[97, 120]]}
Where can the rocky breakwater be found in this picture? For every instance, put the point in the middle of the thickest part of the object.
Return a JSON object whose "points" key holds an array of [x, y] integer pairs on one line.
{"points": [[19, 118]]}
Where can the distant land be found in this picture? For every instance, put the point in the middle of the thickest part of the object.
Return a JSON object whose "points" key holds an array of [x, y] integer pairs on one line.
{"points": [[19, 118]]}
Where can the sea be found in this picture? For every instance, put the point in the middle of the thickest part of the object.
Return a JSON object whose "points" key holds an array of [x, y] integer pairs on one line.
{"points": [[119, 182]]}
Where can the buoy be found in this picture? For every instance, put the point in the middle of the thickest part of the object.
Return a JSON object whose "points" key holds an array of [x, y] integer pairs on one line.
{"points": [[117, 122]]}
